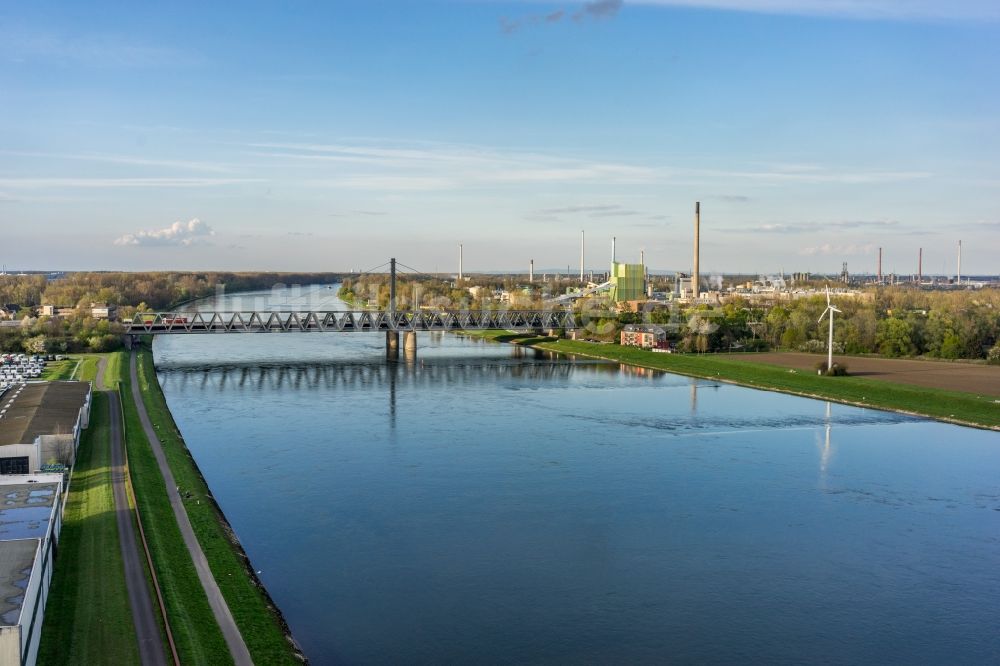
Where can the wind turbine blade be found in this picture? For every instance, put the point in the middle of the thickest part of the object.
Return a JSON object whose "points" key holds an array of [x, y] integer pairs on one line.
{"points": [[827, 295], [834, 309], [822, 315]]}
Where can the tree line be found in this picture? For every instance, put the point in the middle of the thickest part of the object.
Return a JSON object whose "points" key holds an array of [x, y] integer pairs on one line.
{"points": [[130, 292], [889, 321]]}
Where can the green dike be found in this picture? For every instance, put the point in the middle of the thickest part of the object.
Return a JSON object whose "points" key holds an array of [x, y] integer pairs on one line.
{"points": [[117, 362], [259, 621], [87, 617], [195, 631], [957, 407]]}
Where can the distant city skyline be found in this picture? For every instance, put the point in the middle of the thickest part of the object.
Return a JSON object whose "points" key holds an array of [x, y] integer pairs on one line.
{"points": [[331, 136]]}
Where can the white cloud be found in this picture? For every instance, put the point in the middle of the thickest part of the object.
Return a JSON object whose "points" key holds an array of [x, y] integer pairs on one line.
{"points": [[439, 166], [900, 10], [838, 250], [178, 233], [104, 50], [124, 159], [814, 227], [106, 183]]}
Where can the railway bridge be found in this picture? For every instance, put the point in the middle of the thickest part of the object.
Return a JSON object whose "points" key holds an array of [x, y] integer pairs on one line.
{"points": [[390, 321]]}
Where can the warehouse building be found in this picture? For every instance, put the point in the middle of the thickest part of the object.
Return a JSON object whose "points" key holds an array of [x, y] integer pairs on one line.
{"points": [[30, 522], [40, 424]]}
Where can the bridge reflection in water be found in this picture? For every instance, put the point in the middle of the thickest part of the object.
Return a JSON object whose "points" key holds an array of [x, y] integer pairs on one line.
{"points": [[346, 374]]}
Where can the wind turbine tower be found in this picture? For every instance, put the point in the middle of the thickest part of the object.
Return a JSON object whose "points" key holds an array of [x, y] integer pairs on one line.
{"points": [[830, 309]]}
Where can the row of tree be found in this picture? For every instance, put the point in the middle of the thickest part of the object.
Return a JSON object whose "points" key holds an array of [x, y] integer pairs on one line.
{"points": [[890, 321], [896, 321], [161, 290], [129, 291]]}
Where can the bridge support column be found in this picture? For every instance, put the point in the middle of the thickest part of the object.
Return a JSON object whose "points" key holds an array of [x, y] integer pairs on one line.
{"points": [[410, 342], [391, 345]]}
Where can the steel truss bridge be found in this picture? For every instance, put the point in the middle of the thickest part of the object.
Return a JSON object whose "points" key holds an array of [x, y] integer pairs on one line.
{"points": [[346, 321]]}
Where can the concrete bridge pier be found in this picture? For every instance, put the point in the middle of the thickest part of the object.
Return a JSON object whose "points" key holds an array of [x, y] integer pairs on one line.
{"points": [[391, 345]]}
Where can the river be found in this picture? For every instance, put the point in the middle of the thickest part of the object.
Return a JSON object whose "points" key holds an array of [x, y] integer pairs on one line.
{"points": [[487, 503]]}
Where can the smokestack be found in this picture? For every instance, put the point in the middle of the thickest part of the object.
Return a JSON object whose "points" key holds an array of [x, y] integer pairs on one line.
{"points": [[920, 266], [582, 244], [959, 280], [612, 249], [697, 240], [880, 265], [531, 270], [460, 263], [642, 257]]}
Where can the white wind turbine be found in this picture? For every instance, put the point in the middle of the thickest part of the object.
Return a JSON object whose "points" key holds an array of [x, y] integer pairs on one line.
{"points": [[829, 345]]}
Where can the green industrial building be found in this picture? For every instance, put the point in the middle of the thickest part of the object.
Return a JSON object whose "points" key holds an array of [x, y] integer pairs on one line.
{"points": [[628, 282]]}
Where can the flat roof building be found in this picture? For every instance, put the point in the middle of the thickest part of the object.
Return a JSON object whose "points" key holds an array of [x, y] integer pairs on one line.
{"points": [[30, 522], [647, 337], [40, 423]]}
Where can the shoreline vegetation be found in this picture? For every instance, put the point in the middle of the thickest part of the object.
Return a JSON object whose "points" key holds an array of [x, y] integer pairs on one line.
{"points": [[966, 409]]}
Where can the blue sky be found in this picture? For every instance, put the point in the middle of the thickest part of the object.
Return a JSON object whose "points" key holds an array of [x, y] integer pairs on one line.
{"points": [[332, 135]]}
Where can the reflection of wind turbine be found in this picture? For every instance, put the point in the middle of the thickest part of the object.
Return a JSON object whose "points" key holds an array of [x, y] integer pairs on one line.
{"points": [[829, 346], [825, 450], [825, 457]]}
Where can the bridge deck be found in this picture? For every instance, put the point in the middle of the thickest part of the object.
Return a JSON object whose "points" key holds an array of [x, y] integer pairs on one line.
{"points": [[345, 321]]}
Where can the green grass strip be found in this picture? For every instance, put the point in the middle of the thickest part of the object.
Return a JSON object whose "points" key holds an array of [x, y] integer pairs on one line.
{"points": [[59, 370], [952, 406], [196, 633], [87, 618], [258, 620]]}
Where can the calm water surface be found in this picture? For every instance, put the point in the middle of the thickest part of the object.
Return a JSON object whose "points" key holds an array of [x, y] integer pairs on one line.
{"points": [[483, 503]]}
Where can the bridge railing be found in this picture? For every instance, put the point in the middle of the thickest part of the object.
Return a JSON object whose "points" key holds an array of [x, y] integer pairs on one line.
{"points": [[346, 321]]}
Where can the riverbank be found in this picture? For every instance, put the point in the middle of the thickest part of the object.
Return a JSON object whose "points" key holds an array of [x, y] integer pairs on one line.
{"points": [[260, 622], [961, 408]]}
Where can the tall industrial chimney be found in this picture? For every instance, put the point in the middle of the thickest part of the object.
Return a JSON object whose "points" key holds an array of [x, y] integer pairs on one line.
{"points": [[460, 263], [880, 265], [697, 240], [920, 266], [583, 239], [613, 250], [959, 280], [531, 270]]}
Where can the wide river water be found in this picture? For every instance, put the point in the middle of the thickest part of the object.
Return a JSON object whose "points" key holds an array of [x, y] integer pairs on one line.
{"points": [[490, 504]]}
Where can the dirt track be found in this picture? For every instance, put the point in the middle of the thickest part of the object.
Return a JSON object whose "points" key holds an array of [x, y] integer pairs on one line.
{"points": [[979, 379]]}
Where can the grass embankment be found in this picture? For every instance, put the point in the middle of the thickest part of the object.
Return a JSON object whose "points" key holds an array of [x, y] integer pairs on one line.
{"points": [[195, 631], [87, 618], [952, 406], [258, 620]]}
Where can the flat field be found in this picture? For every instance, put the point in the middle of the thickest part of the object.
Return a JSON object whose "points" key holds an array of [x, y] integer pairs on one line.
{"points": [[967, 377]]}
